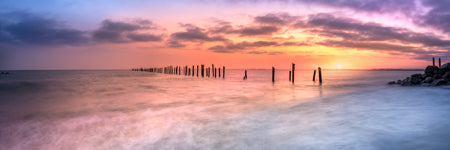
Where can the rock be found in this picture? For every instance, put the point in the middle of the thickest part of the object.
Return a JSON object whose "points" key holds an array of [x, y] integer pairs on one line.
{"points": [[427, 80], [416, 76], [406, 82], [415, 80], [445, 67], [430, 70], [399, 81], [437, 76], [392, 82], [439, 82], [446, 75]]}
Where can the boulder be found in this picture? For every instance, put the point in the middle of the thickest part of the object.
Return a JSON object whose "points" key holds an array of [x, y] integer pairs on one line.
{"points": [[427, 80], [445, 67], [399, 81], [392, 82], [415, 80], [446, 75], [439, 82], [430, 70], [420, 76]]}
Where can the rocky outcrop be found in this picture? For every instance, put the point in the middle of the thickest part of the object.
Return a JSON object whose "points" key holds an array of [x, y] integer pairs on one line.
{"points": [[433, 76]]}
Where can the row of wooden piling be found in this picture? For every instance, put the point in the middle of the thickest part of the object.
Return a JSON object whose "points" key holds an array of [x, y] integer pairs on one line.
{"points": [[292, 74], [187, 70]]}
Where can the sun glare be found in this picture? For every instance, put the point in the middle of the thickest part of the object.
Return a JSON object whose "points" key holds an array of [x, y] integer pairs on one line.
{"points": [[338, 66]]}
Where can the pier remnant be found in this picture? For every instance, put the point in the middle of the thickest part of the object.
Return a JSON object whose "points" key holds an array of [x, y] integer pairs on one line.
{"points": [[223, 74], [215, 73], [293, 72], [219, 72], [203, 70], [273, 74], [433, 62], [439, 62], [197, 70], [314, 76], [290, 74], [245, 75], [320, 74]]}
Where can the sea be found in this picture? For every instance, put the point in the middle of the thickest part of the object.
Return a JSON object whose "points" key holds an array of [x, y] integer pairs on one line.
{"points": [[122, 109]]}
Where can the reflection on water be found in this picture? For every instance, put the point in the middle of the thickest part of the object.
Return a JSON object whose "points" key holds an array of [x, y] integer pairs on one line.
{"points": [[140, 110]]}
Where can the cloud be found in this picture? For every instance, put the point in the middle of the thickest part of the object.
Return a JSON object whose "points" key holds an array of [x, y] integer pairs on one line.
{"points": [[24, 28], [195, 34], [123, 32], [275, 19], [438, 16], [354, 30], [242, 46], [143, 37], [252, 30]]}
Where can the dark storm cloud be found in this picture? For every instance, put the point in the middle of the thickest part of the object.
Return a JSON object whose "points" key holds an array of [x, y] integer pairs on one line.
{"points": [[122, 32], [23, 28]]}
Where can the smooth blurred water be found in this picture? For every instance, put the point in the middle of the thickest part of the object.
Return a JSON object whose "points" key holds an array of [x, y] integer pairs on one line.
{"points": [[142, 110]]}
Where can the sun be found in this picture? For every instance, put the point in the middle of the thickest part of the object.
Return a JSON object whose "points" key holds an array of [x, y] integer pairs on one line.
{"points": [[338, 66]]}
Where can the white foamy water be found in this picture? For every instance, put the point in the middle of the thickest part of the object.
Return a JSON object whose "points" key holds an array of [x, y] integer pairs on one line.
{"points": [[141, 110]]}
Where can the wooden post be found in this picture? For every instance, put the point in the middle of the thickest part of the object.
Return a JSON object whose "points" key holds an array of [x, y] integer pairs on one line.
{"points": [[439, 62], [212, 67], [189, 73], [203, 70], [192, 70], [215, 72], [219, 72], [245, 75], [223, 74], [314, 75], [290, 74], [320, 75], [273, 74], [433, 61], [197, 70], [293, 72]]}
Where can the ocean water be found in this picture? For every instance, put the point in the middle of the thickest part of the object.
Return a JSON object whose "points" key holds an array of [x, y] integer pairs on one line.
{"points": [[121, 109]]}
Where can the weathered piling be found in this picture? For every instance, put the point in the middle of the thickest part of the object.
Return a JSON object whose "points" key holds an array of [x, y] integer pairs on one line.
{"points": [[179, 70], [439, 62], [189, 73], [203, 70], [245, 74], [197, 70], [212, 67], [223, 74], [192, 70], [290, 74], [314, 75], [293, 72], [273, 74], [433, 62], [215, 72], [219, 72], [320, 74]]}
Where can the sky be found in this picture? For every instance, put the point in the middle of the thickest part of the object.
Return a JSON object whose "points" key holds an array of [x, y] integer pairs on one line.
{"points": [[251, 34]]}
